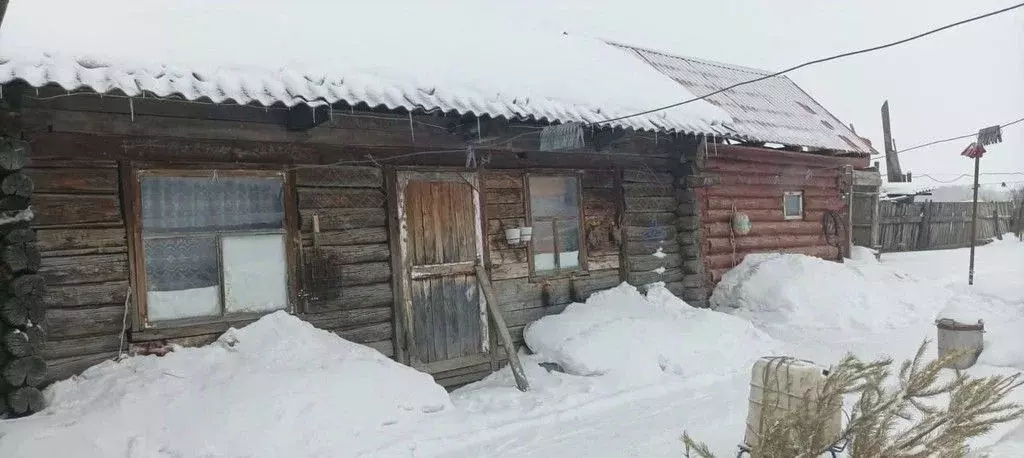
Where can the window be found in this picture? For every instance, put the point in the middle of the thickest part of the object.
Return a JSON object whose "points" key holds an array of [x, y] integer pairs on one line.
{"points": [[212, 244], [793, 205], [555, 218]]}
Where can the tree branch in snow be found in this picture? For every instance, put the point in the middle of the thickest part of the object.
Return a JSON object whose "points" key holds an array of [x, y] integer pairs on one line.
{"points": [[927, 412]]}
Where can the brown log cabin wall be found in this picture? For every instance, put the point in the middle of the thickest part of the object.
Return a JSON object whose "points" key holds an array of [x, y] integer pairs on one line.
{"points": [[752, 181], [83, 146]]}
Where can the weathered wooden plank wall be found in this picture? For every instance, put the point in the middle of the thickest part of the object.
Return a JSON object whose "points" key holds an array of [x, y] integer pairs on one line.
{"points": [[939, 225], [650, 215], [865, 212], [520, 297], [83, 145], [347, 281], [85, 260]]}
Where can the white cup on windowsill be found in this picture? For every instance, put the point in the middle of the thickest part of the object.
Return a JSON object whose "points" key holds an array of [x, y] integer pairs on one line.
{"points": [[513, 235], [525, 234]]}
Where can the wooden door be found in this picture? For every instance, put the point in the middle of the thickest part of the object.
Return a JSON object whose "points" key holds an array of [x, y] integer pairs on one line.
{"points": [[441, 243]]}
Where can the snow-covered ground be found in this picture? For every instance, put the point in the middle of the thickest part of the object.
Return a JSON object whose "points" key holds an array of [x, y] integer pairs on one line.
{"points": [[639, 370]]}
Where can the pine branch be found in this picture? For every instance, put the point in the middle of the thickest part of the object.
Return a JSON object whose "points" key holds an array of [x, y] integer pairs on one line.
{"points": [[898, 421]]}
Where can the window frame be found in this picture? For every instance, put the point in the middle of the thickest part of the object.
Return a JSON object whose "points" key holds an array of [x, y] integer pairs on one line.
{"points": [[136, 241], [582, 268], [788, 194]]}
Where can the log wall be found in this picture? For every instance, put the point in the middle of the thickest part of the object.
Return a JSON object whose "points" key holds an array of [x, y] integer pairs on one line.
{"points": [[752, 181], [85, 147], [520, 296], [84, 250], [651, 249], [22, 314]]}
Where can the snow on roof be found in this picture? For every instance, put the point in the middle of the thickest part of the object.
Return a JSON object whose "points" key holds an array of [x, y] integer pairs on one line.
{"points": [[774, 110], [906, 189], [407, 54]]}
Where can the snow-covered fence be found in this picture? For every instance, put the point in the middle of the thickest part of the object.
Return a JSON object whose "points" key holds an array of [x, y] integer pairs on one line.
{"points": [[940, 225], [22, 368]]}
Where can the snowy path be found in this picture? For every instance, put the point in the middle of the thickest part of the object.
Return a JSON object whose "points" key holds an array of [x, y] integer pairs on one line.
{"points": [[715, 411]]}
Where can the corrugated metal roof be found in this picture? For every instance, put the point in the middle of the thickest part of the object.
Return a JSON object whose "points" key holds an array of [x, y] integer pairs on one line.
{"points": [[288, 87], [775, 110]]}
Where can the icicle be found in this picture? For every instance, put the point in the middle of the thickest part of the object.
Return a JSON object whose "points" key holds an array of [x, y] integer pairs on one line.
{"points": [[479, 136], [131, 107], [470, 157]]}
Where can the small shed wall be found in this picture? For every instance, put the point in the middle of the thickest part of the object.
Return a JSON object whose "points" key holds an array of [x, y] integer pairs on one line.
{"points": [[752, 181]]}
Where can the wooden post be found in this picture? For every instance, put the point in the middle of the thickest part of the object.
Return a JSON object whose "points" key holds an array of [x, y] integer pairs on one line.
{"points": [[974, 220], [924, 230], [892, 159], [876, 222], [3, 10], [499, 322], [995, 223], [1019, 221]]}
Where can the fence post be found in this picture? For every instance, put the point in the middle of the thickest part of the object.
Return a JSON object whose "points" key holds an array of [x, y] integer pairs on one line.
{"points": [[995, 223], [1019, 221], [925, 228]]}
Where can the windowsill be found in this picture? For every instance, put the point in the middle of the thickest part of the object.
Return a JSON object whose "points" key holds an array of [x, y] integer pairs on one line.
{"points": [[793, 218], [536, 278], [191, 327]]}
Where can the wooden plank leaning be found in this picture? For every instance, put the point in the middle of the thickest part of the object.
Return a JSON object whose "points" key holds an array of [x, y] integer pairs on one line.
{"points": [[503, 334]]}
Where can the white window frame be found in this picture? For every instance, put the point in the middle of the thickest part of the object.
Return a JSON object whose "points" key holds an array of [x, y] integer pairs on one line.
{"points": [[790, 194]]}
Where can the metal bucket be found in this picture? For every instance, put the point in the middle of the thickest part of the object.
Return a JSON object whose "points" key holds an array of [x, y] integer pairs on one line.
{"points": [[966, 339]]}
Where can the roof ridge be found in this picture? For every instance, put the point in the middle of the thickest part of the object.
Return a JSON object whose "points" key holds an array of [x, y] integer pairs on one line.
{"points": [[700, 60]]}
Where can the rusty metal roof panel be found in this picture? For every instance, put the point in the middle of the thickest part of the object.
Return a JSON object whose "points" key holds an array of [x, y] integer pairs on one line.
{"points": [[774, 110]]}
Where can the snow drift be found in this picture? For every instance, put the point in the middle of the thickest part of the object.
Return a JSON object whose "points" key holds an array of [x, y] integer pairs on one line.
{"points": [[624, 334], [269, 389], [804, 292]]}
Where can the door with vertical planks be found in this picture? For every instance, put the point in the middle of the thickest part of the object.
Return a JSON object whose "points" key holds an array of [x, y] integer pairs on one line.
{"points": [[441, 244]]}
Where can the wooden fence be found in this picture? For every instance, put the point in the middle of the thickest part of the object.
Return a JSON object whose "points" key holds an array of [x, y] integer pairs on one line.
{"points": [[940, 225]]}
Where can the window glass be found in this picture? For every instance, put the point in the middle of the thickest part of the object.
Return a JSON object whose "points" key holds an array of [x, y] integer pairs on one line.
{"points": [[213, 245], [255, 279], [554, 212], [793, 205], [183, 277], [205, 204]]}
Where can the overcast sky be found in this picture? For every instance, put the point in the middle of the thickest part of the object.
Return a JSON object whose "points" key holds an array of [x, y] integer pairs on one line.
{"points": [[941, 86]]}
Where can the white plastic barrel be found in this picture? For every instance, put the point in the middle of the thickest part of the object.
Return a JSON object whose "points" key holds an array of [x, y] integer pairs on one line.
{"points": [[777, 387]]}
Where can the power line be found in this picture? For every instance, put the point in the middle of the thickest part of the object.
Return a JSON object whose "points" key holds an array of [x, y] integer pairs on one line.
{"points": [[945, 140], [821, 60], [965, 175]]}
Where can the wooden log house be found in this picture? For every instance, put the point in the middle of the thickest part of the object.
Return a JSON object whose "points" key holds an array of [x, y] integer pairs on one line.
{"points": [[168, 219]]}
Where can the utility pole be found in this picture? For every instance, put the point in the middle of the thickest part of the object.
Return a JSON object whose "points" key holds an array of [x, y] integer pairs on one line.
{"points": [[986, 136], [3, 10], [974, 218], [892, 159]]}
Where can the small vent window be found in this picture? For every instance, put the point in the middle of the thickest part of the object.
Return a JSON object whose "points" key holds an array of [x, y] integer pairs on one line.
{"points": [[793, 205]]}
